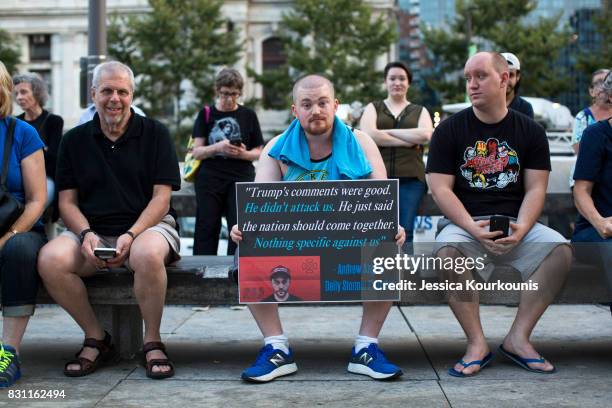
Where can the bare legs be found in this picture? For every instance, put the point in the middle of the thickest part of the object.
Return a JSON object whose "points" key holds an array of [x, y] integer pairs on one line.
{"points": [[61, 267], [550, 276], [374, 315], [13, 329]]}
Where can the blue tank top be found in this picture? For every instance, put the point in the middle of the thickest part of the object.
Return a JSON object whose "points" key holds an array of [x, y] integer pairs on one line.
{"points": [[323, 169], [348, 161]]}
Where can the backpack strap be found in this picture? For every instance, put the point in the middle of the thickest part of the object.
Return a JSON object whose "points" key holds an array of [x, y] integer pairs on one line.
{"points": [[206, 114], [8, 145]]}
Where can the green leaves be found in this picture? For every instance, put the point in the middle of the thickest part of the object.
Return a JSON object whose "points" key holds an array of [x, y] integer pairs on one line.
{"points": [[500, 26], [538, 47], [339, 38], [589, 60], [179, 43], [9, 51]]}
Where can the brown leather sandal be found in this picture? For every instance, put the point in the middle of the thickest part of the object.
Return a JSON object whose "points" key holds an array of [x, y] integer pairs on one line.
{"points": [[105, 353], [157, 345]]}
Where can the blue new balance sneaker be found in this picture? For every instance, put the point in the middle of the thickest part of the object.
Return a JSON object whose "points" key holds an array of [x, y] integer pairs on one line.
{"points": [[371, 361], [10, 368], [270, 363]]}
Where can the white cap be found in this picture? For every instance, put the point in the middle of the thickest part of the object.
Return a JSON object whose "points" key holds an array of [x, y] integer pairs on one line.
{"points": [[512, 60]]}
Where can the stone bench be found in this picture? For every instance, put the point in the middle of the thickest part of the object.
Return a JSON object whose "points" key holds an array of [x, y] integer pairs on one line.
{"points": [[204, 280], [195, 280]]}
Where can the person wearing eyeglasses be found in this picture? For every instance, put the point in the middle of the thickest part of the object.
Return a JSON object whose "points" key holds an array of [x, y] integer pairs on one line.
{"points": [[227, 139], [600, 108]]}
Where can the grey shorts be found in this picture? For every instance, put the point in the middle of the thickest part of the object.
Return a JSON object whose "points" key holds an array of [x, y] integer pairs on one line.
{"points": [[526, 257], [166, 227]]}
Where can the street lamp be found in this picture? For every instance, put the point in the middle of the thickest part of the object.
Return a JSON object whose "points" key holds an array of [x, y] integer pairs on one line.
{"points": [[472, 49], [96, 48]]}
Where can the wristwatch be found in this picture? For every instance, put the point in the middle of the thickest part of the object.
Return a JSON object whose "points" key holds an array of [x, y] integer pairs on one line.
{"points": [[85, 232]]}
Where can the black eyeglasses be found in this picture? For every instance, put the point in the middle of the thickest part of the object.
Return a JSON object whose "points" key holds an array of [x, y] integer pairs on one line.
{"points": [[229, 94]]}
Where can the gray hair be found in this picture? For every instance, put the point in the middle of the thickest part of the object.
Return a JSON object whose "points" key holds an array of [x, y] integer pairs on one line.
{"points": [[607, 83], [39, 87], [111, 66], [598, 72]]}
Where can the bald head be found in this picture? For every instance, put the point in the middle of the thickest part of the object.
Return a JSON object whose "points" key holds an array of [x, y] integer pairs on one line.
{"points": [[309, 82], [497, 61], [486, 80]]}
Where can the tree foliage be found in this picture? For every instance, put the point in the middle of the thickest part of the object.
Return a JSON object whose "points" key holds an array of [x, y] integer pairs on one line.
{"points": [[498, 26], [173, 49], [338, 38], [9, 51], [591, 60]]}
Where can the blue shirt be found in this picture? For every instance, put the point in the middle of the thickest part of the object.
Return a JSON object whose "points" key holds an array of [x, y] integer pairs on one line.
{"points": [[25, 142], [348, 161], [595, 164], [323, 169]]}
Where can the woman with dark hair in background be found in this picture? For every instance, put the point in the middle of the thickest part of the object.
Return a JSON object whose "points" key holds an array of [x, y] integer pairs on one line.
{"points": [[227, 139], [400, 128], [19, 245], [31, 96]]}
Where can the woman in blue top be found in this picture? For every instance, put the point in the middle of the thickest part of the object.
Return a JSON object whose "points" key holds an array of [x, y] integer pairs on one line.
{"points": [[19, 246]]}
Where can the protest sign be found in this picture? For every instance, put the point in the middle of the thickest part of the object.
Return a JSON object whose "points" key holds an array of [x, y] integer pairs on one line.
{"points": [[314, 241]]}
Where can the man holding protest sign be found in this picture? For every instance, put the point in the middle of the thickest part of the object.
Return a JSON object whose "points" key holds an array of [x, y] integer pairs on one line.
{"points": [[318, 146]]}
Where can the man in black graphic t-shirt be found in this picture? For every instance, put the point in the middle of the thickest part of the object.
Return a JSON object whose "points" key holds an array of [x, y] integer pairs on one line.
{"points": [[488, 160]]}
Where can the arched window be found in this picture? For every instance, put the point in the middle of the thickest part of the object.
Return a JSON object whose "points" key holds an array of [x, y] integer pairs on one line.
{"points": [[273, 58]]}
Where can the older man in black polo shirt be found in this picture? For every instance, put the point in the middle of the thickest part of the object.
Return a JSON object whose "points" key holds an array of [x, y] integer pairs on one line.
{"points": [[115, 176]]}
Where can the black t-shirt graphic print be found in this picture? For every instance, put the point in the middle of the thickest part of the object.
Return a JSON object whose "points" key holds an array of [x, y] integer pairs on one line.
{"points": [[488, 160], [490, 164]]}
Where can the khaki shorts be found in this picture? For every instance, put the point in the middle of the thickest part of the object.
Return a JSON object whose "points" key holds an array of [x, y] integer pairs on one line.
{"points": [[166, 227], [526, 257]]}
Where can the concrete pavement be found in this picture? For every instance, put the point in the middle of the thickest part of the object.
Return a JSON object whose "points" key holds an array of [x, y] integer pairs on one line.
{"points": [[211, 347]]}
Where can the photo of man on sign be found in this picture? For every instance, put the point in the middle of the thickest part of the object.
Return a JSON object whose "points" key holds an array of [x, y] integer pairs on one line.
{"points": [[281, 281]]}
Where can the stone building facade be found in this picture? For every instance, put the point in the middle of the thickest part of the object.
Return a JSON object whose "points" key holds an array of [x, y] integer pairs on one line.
{"points": [[52, 35]]}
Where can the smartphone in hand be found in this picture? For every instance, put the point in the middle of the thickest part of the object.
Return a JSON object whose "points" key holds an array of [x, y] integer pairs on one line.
{"points": [[105, 253], [500, 223], [236, 142]]}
